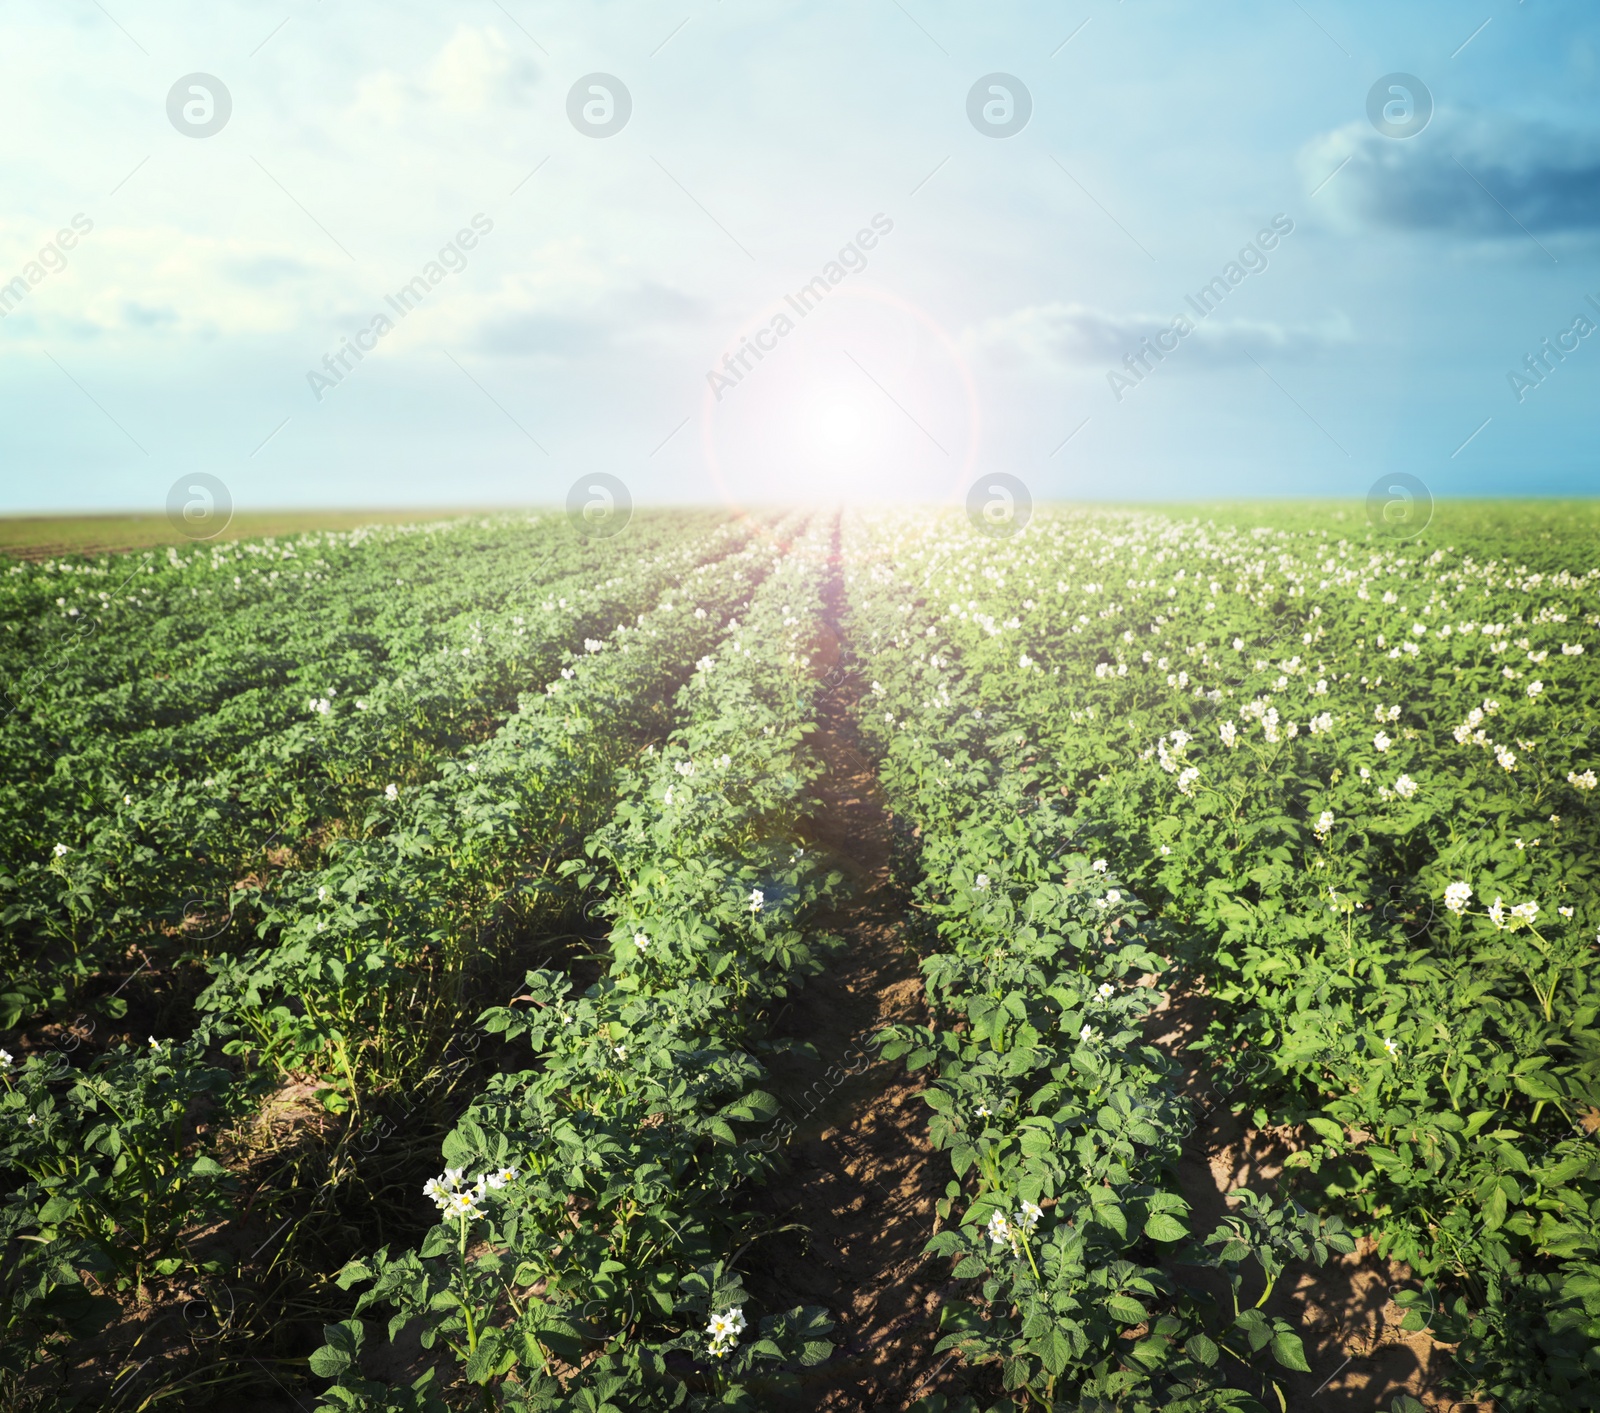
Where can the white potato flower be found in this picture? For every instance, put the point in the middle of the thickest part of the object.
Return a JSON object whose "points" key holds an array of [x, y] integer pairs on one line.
{"points": [[725, 1329]]}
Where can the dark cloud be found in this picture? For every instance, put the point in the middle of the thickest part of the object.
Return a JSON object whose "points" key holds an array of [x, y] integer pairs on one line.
{"points": [[1470, 174]]}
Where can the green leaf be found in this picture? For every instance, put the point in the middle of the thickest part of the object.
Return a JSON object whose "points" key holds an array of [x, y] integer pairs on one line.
{"points": [[492, 1358], [1110, 1214], [1054, 1349], [57, 1209], [1255, 1326], [1332, 1131], [353, 1271], [328, 1362], [341, 1350], [1126, 1309], [1289, 1351], [1162, 1227], [1494, 1210]]}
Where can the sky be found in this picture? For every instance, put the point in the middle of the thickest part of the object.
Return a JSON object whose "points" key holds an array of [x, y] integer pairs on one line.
{"points": [[781, 251]]}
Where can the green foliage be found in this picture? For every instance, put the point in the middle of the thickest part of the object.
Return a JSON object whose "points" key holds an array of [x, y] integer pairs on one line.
{"points": [[106, 1181], [595, 1277], [1288, 746]]}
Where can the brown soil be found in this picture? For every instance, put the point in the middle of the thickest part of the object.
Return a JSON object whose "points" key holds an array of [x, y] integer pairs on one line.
{"points": [[1361, 1359], [862, 1179]]}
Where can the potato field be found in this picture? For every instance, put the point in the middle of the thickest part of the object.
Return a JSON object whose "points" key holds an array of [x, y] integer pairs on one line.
{"points": [[802, 960]]}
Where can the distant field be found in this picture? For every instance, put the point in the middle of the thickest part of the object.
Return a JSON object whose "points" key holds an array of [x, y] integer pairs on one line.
{"points": [[39, 536], [1507, 521], [1521, 527]]}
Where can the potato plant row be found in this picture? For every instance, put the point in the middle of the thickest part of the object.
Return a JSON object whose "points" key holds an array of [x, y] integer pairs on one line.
{"points": [[586, 1254], [1078, 1276], [212, 724], [357, 981], [1354, 783]]}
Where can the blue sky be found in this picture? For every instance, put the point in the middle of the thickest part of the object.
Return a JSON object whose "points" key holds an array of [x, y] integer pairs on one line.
{"points": [[187, 329]]}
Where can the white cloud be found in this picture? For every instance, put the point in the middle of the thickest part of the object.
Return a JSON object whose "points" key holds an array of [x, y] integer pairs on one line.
{"points": [[477, 68], [1056, 335]]}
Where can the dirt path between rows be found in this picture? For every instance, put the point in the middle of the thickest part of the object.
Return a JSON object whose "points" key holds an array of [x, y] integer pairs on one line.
{"points": [[862, 1179]]}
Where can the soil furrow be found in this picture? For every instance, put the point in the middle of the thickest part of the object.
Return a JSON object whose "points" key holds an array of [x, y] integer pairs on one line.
{"points": [[862, 1180]]}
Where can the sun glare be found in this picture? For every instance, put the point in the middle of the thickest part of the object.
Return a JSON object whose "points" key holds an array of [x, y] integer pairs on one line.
{"points": [[837, 426]]}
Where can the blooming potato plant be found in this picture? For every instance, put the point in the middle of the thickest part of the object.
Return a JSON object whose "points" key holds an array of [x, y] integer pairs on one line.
{"points": [[405, 911], [1062, 1125], [366, 959], [243, 696], [606, 1264], [1307, 754]]}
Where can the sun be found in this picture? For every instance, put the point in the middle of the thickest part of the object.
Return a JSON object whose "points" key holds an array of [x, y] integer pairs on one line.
{"points": [[837, 425]]}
